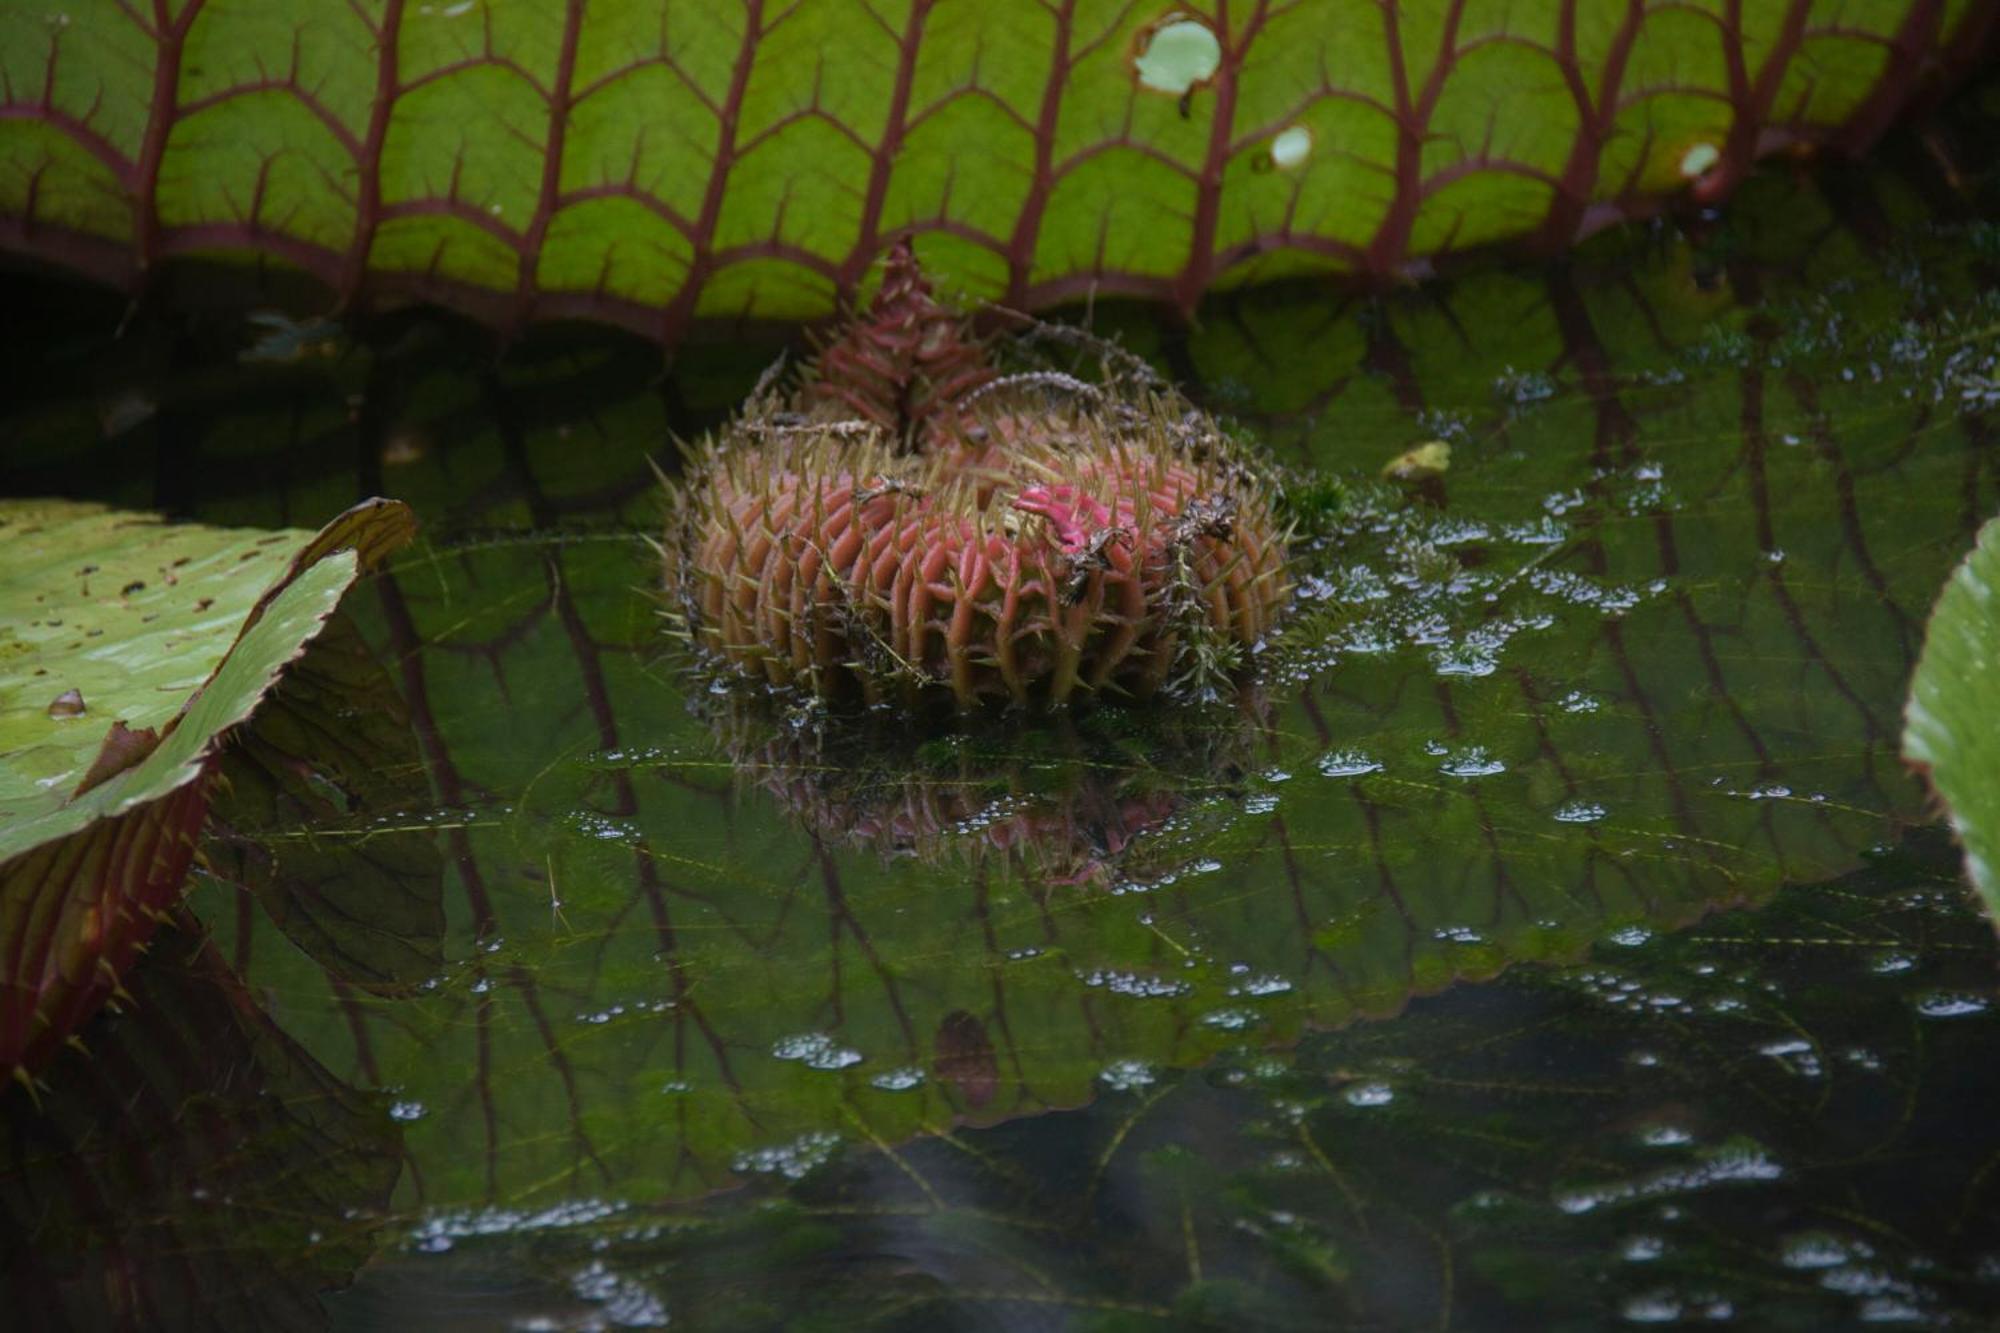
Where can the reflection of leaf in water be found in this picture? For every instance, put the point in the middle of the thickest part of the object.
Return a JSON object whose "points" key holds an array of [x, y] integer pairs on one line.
{"points": [[1777, 1116], [1641, 663], [321, 819], [195, 1169], [658, 981]]}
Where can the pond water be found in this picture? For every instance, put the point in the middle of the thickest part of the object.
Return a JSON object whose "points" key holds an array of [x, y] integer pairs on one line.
{"points": [[1551, 938]]}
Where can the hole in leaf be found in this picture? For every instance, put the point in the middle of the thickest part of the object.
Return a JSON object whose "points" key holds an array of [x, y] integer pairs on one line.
{"points": [[1291, 147], [1699, 160], [1177, 56]]}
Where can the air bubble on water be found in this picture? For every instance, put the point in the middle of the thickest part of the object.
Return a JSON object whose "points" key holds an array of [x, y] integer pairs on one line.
{"points": [[1726, 1166], [1653, 1308], [1521, 388], [901, 1079], [816, 1050], [407, 1111], [1348, 764], [1642, 1249], [1544, 531], [1951, 1004], [1817, 1249], [1136, 984], [1631, 937], [793, 1160], [1127, 1075], [1474, 761], [1370, 1094], [1579, 812]]}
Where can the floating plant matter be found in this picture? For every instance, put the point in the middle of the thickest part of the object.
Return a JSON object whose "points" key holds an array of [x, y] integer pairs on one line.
{"points": [[906, 520]]}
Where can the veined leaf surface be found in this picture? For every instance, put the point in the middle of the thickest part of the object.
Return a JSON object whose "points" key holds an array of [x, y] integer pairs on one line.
{"points": [[138, 646], [648, 162]]}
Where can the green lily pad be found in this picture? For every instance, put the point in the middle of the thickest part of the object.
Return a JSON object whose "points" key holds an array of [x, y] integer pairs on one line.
{"points": [[137, 646], [650, 162], [1952, 724]]}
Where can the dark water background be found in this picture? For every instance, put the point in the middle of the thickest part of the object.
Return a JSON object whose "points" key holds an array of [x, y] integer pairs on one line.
{"points": [[1552, 939]]}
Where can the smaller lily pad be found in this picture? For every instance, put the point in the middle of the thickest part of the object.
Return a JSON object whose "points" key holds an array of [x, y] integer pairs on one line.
{"points": [[1952, 723], [133, 646]]}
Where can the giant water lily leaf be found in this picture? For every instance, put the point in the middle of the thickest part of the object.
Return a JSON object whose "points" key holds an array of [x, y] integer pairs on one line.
{"points": [[1951, 732], [138, 646], [649, 161]]}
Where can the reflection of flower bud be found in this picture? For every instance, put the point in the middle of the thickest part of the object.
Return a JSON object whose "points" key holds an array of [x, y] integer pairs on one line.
{"points": [[906, 524], [1061, 807]]}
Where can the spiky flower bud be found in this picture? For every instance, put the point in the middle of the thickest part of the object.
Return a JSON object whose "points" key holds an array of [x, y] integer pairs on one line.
{"points": [[908, 522]]}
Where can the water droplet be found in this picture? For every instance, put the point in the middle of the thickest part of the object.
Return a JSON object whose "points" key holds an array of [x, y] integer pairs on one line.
{"points": [[1137, 984], [407, 1111], [1642, 1249], [1951, 1004], [1474, 761], [1816, 1249], [816, 1050], [1348, 764], [899, 1080], [1370, 1094], [794, 1160], [1655, 1308], [1127, 1075]]}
